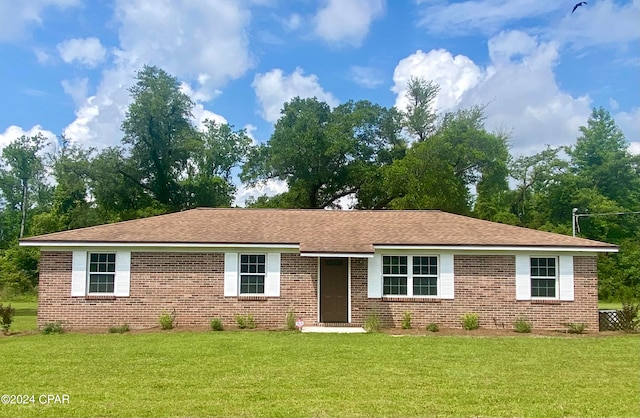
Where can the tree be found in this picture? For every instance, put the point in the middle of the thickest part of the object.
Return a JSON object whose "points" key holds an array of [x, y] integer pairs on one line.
{"points": [[325, 154], [159, 136], [419, 118], [22, 175], [601, 154], [442, 172]]}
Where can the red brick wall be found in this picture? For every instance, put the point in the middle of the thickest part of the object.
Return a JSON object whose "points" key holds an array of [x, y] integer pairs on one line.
{"points": [[192, 285], [485, 284], [189, 283]]}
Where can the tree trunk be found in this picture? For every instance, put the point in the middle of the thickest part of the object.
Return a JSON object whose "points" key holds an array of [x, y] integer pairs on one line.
{"points": [[23, 207]]}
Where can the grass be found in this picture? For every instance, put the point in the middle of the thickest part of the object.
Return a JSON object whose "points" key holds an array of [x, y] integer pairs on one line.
{"points": [[293, 374], [609, 305]]}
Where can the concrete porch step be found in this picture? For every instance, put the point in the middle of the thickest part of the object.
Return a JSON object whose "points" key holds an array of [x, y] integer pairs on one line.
{"points": [[332, 329]]}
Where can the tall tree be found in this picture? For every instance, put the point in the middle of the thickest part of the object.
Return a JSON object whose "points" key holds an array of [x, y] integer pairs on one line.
{"points": [[159, 136], [22, 174], [419, 116], [601, 155], [324, 154]]}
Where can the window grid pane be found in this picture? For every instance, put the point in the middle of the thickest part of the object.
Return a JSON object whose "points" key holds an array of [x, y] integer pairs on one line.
{"points": [[102, 268], [395, 285], [252, 273], [101, 283], [543, 288], [251, 283], [394, 264], [425, 286]]}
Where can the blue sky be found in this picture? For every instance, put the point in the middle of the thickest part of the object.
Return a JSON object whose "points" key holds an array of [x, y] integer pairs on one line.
{"points": [[65, 65]]}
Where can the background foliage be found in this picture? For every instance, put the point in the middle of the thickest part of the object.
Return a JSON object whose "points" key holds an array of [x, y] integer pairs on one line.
{"points": [[358, 154]]}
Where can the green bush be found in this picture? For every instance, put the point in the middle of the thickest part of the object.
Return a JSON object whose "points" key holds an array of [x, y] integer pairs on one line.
{"points": [[575, 327], [251, 323], [52, 328], [216, 324], [432, 327], [167, 320], [627, 316], [372, 323], [6, 317], [241, 320], [522, 325], [406, 320], [291, 320], [470, 321], [121, 329]]}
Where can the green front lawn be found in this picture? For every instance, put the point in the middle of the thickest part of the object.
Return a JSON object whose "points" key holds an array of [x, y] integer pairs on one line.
{"points": [[25, 316], [258, 373]]}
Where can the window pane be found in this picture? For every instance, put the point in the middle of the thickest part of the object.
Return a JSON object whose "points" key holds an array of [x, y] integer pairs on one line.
{"points": [[425, 265], [101, 283], [543, 267], [251, 283], [425, 286], [395, 286], [543, 288]]}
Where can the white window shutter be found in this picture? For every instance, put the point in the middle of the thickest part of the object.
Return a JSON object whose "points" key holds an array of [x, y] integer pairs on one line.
{"points": [[446, 276], [566, 277], [272, 280], [122, 281], [374, 276], [79, 273], [523, 277], [231, 274]]}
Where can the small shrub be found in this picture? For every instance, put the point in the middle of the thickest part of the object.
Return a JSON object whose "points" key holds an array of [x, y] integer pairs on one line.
{"points": [[167, 320], [522, 325], [216, 324], [372, 323], [241, 320], [119, 329], [6, 317], [470, 321], [291, 320], [52, 328], [406, 320], [251, 323], [432, 327], [575, 328], [627, 316]]}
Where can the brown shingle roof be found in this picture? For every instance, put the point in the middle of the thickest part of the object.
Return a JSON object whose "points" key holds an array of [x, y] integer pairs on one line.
{"points": [[319, 231]]}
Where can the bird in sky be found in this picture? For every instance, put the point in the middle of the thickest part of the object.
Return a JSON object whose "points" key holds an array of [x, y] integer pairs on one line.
{"points": [[578, 5]]}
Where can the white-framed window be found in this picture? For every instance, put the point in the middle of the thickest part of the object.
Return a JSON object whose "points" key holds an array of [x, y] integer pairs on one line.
{"points": [[253, 272], [405, 275], [544, 277], [101, 273]]}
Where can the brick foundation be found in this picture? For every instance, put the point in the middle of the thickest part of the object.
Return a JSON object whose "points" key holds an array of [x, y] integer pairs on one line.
{"points": [[191, 284]]}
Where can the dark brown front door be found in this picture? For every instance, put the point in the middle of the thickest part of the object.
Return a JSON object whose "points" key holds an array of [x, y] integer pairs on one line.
{"points": [[334, 290]]}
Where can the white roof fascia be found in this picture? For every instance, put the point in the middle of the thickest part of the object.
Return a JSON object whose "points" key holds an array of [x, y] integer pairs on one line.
{"points": [[491, 248], [338, 255]]}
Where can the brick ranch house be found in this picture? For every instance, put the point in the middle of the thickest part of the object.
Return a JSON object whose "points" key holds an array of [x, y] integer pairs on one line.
{"points": [[331, 267]]}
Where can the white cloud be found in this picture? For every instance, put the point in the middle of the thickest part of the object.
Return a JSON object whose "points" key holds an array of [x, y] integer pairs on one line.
{"points": [[347, 21], [485, 16], [42, 56], [599, 23], [203, 40], [293, 22], [518, 87], [87, 51], [14, 132], [274, 89], [77, 89], [203, 43], [454, 75], [269, 188], [17, 16], [367, 77]]}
